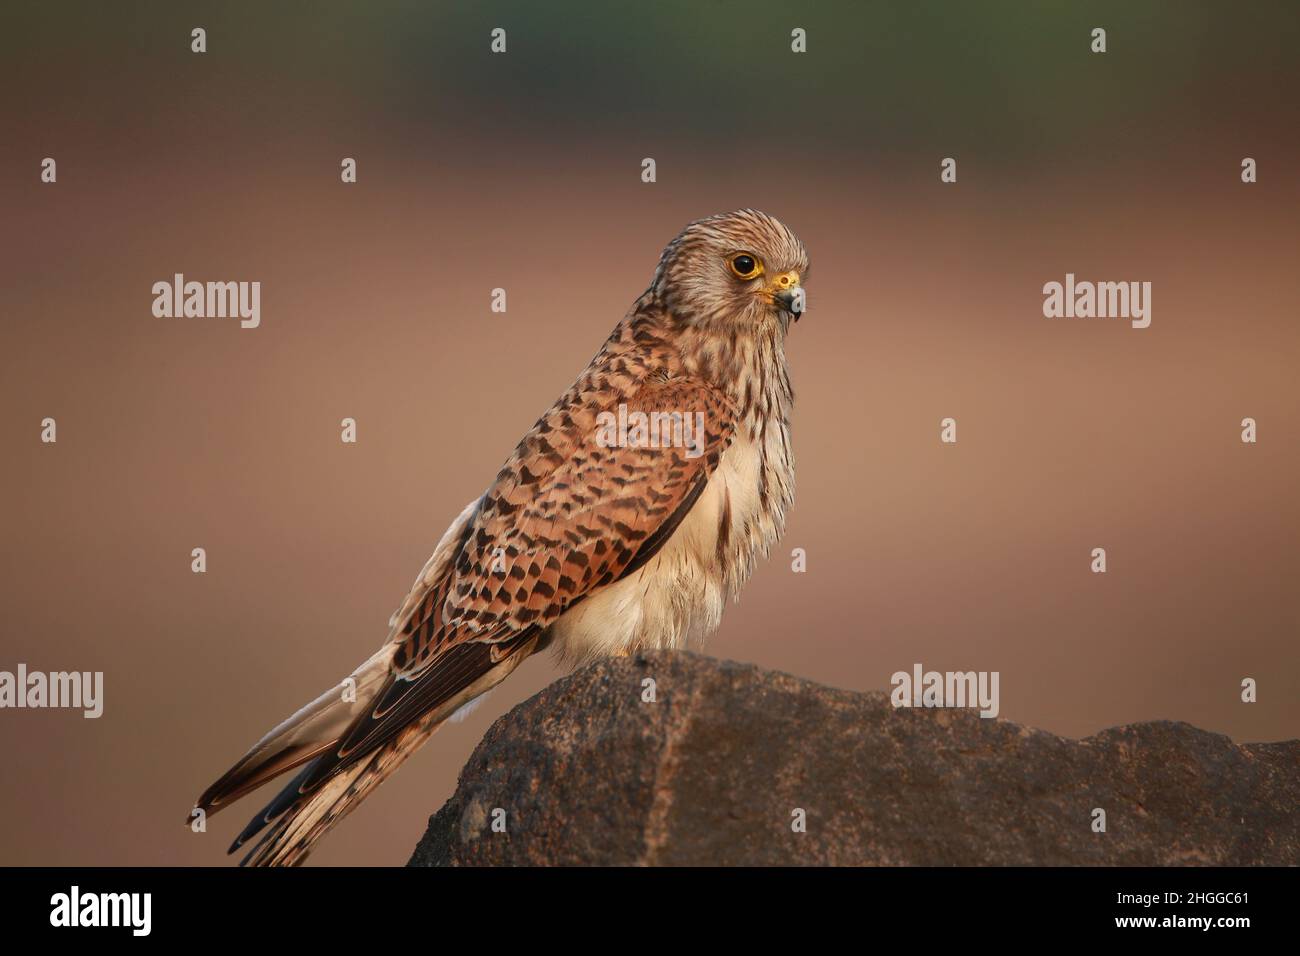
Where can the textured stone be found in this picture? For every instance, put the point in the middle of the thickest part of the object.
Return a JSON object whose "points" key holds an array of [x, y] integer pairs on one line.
{"points": [[710, 773]]}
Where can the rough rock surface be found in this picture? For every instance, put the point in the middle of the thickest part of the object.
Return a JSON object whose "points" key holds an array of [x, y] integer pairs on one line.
{"points": [[709, 774]]}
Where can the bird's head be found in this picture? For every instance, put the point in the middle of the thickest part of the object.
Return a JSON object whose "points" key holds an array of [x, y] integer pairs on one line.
{"points": [[734, 271]]}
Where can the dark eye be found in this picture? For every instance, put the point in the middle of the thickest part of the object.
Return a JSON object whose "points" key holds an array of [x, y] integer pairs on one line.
{"points": [[744, 265]]}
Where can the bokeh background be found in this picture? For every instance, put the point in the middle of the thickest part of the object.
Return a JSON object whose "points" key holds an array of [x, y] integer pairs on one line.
{"points": [[523, 171]]}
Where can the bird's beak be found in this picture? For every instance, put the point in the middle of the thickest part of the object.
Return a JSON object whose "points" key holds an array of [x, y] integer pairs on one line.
{"points": [[788, 294]]}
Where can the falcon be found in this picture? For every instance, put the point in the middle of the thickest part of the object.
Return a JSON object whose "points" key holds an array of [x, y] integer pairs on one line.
{"points": [[581, 544]]}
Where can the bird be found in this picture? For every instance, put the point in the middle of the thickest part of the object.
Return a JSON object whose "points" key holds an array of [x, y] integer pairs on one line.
{"points": [[591, 540]]}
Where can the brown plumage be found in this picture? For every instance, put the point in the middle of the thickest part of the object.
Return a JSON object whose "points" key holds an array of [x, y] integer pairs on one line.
{"points": [[591, 540]]}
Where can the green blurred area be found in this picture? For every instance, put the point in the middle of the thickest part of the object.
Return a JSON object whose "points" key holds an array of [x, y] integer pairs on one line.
{"points": [[998, 76]]}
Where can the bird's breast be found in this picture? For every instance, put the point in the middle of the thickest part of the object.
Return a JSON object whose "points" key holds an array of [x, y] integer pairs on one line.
{"points": [[676, 599]]}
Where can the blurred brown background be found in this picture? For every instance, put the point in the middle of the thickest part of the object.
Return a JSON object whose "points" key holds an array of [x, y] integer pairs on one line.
{"points": [[522, 171]]}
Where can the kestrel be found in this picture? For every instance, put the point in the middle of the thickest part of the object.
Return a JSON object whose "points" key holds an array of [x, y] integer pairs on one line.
{"points": [[622, 521]]}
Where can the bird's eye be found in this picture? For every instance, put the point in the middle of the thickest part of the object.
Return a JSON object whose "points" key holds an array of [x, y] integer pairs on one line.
{"points": [[745, 266]]}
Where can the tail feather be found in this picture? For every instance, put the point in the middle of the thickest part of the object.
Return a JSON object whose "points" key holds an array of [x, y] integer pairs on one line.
{"points": [[313, 730], [286, 798], [296, 829], [331, 783], [308, 808]]}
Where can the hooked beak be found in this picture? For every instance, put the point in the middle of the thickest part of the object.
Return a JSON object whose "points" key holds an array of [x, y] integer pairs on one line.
{"points": [[788, 294], [791, 300]]}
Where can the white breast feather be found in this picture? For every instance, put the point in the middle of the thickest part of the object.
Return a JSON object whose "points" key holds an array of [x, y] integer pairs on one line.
{"points": [[676, 599]]}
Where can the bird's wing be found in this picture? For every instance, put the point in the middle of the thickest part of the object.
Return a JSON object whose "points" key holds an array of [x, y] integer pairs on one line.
{"points": [[565, 517]]}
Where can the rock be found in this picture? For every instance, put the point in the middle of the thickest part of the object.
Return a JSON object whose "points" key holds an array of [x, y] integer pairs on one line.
{"points": [[710, 773]]}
